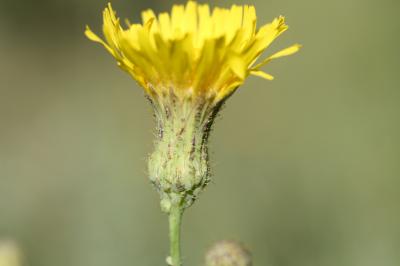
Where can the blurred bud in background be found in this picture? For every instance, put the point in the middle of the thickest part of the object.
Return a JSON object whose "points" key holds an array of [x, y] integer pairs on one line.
{"points": [[228, 253], [10, 254]]}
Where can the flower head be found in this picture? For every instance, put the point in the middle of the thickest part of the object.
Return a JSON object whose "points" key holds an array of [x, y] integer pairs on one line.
{"points": [[197, 53], [188, 63]]}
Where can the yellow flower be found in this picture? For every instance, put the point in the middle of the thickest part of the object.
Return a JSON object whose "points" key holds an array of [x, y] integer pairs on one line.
{"points": [[188, 63], [193, 53]]}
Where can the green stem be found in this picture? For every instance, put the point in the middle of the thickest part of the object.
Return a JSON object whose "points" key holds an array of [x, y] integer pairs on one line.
{"points": [[175, 218]]}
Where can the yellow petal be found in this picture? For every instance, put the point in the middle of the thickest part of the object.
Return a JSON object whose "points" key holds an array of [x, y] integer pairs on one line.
{"points": [[225, 92], [238, 66], [285, 52], [205, 25], [234, 23], [190, 17], [249, 21], [165, 25], [93, 37], [147, 15], [261, 74], [177, 20], [111, 27]]}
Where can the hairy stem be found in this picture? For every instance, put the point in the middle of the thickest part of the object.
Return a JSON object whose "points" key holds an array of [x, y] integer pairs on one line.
{"points": [[175, 218]]}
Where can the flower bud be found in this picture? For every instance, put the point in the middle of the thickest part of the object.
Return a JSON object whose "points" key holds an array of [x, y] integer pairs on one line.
{"points": [[228, 253]]}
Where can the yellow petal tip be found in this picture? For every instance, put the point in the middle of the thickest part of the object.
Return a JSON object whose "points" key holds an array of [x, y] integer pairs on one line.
{"points": [[262, 74]]}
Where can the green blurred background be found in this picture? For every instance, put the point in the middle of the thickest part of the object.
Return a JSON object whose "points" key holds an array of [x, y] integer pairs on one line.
{"points": [[305, 168]]}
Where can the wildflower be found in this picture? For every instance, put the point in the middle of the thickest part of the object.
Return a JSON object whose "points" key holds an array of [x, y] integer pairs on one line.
{"points": [[188, 63]]}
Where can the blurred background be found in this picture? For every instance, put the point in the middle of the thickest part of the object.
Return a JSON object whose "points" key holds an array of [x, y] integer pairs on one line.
{"points": [[305, 168]]}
